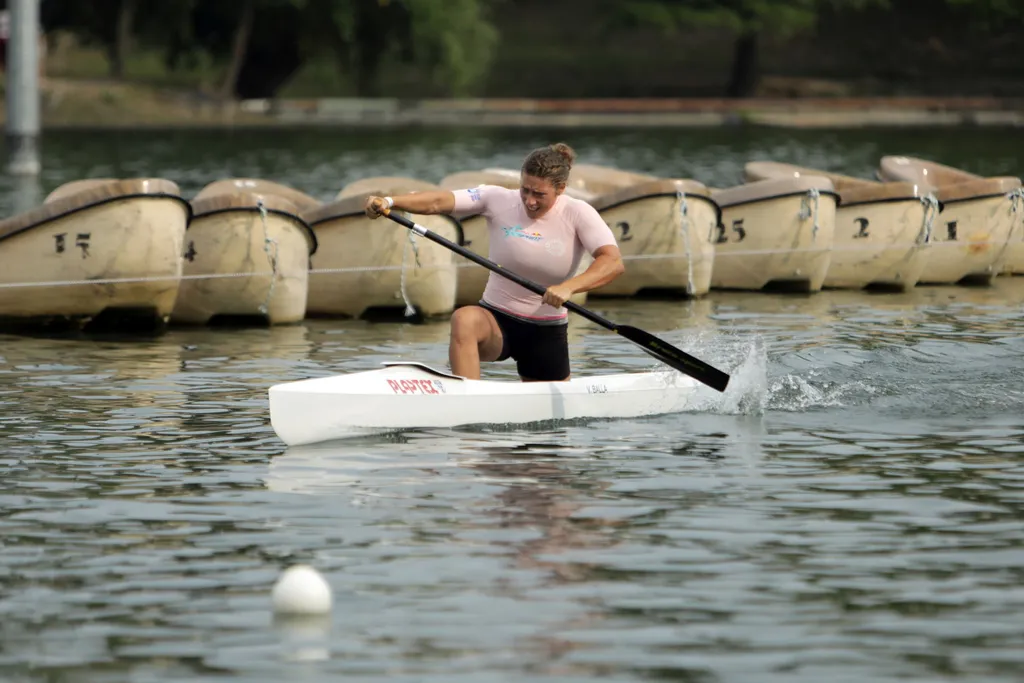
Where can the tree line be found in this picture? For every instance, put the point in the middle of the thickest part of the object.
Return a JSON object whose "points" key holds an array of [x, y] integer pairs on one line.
{"points": [[260, 44]]}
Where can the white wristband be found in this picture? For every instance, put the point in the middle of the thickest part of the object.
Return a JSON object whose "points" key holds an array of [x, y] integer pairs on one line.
{"points": [[390, 201]]}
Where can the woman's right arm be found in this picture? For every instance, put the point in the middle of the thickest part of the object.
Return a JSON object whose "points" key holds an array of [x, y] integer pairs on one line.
{"points": [[424, 203]]}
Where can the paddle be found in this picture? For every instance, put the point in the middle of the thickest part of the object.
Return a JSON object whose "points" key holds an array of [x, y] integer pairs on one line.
{"points": [[659, 348]]}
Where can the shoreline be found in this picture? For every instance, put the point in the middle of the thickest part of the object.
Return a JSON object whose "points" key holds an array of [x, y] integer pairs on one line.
{"points": [[688, 112], [97, 105]]}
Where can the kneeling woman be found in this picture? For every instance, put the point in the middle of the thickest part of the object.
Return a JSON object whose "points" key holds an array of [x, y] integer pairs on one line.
{"points": [[540, 233]]}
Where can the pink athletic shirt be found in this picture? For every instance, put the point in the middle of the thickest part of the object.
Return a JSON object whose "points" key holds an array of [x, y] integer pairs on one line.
{"points": [[546, 250]]}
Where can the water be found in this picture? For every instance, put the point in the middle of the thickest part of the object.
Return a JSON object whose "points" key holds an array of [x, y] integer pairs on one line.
{"points": [[320, 162], [849, 510]]}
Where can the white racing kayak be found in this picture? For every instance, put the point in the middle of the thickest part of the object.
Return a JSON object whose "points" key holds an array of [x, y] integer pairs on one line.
{"points": [[404, 395]]}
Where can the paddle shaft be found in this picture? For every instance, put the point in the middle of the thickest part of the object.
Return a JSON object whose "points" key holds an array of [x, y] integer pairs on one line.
{"points": [[656, 347]]}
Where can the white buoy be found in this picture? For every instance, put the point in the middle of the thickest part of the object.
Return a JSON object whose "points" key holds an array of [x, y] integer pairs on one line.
{"points": [[301, 590]]}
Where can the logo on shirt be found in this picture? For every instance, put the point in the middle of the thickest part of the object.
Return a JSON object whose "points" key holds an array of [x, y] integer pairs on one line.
{"points": [[517, 231], [555, 247], [474, 194]]}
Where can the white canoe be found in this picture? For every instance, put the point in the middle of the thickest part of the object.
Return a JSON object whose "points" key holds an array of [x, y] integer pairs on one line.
{"points": [[404, 395]]}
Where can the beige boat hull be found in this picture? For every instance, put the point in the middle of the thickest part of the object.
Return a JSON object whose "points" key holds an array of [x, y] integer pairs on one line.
{"points": [[362, 264], [1014, 257], [238, 264], [882, 229], [971, 241], [663, 247], [122, 254], [979, 224], [783, 239], [663, 227], [881, 244]]}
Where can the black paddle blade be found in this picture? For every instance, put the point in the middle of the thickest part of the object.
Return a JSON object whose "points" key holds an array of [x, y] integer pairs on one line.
{"points": [[677, 358]]}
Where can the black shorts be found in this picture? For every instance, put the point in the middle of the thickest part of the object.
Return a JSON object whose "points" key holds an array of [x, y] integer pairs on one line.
{"points": [[541, 352]]}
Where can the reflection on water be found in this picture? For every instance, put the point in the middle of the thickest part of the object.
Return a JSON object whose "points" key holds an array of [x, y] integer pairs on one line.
{"points": [[849, 510], [26, 193]]}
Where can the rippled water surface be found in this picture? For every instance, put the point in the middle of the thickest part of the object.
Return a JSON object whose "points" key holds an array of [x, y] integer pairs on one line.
{"points": [[851, 510]]}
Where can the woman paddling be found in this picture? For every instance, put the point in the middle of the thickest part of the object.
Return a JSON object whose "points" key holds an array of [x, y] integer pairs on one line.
{"points": [[536, 231]]}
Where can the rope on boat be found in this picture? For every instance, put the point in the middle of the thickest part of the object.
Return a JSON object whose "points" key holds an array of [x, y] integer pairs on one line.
{"points": [[1016, 201], [410, 310], [272, 258], [129, 280], [684, 226], [925, 236], [370, 269], [806, 211], [931, 212]]}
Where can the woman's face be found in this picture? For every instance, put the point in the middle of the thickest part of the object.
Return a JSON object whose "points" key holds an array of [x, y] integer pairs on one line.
{"points": [[538, 194]]}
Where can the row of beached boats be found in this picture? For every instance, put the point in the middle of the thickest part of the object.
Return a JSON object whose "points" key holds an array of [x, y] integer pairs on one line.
{"points": [[256, 249]]}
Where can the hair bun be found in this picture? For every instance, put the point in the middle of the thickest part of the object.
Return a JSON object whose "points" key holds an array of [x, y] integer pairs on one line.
{"points": [[565, 151], [551, 162]]}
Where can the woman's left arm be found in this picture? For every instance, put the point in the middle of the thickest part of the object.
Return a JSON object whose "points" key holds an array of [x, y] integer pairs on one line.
{"points": [[606, 267], [597, 238]]}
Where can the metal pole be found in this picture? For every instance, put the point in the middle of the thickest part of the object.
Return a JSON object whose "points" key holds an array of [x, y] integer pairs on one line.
{"points": [[23, 88]]}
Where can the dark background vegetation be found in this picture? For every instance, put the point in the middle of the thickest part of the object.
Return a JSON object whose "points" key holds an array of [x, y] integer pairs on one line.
{"points": [[230, 49]]}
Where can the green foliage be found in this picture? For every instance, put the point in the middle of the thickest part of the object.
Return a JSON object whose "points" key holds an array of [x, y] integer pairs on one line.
{"points": [[782, 17], [453, 39], [458, 40], [991, 13], [1010, 7]]}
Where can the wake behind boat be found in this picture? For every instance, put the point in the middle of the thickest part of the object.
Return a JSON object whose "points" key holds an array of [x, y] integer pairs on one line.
{"points": [[407, 395]]}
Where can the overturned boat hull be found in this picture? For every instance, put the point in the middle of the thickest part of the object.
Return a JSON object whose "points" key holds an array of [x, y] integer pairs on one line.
{"points": [[95, 247], [246, 256], [364, 264], [980, 219], [664, 229], [883, 230], [775, 232]]}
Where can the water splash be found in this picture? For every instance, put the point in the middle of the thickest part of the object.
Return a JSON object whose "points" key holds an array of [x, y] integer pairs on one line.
{"points": [[759, 382], [747, 393], [794, 393], [745, 358]]}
